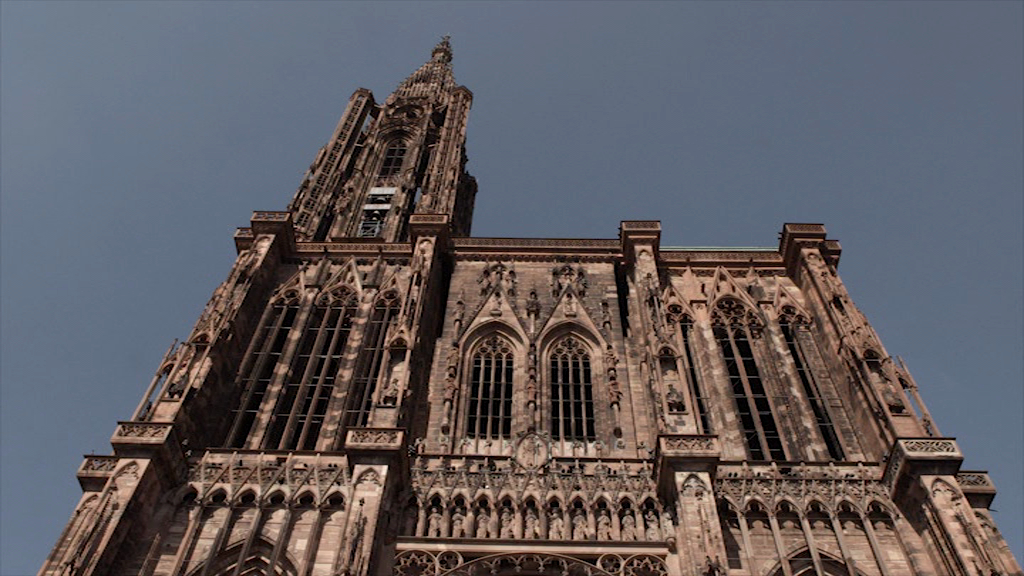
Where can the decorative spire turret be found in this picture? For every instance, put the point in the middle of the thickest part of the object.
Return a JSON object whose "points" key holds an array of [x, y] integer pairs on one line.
{"points": [[387, 161], [443, 50], [434, 78]]}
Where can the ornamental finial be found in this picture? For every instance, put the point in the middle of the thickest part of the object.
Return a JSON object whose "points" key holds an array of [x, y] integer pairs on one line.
{"points": [[443, 50]]}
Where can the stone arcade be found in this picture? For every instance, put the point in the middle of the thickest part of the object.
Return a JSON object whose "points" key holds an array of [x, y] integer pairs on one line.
{"points": [[373, 391]]}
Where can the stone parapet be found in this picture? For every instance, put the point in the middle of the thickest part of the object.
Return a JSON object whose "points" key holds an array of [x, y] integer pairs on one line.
{"points": [[794, 237], [828, 484], [684, 452], [95, 470], [156, 441], [912, 457], [374, 439], [277, 223], [977, 486], [296, 478], [243, 239]]}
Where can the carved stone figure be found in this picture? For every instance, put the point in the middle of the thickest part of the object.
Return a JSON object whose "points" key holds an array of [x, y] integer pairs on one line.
{"points": [[483, 524], [674, 400], [570, 305], [653, 532], [458, 524], [451, 387], [579, 525], [452, 361], [556, 526], [460, 313], [532, 524], [533, 304], [610, 362], [628, 528], [614, 393], [507, 530], [604, 526], [389, 396], [434, 523]]}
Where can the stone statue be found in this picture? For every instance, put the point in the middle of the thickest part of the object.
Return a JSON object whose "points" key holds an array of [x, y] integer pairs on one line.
{"points": [[434, 523], [628, 528], [610, 362], [532, 528], [653, 530], [483, 524], [458, 524], [675, 400], [533, 304], [506, 524], [579, 526], [604, 526], [453, 361], [614, 393], [460, 312], [389, 396], [556, 526]]}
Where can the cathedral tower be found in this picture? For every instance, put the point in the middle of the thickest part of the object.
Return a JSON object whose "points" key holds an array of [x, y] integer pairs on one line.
{"points": [[373, 391]]}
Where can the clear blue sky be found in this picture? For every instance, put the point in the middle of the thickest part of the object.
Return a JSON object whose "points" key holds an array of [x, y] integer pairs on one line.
{"points": [[137, 136]]}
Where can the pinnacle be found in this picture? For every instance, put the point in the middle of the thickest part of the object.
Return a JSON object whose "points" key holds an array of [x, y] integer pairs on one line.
{"points": [[434, 76], [443, 50]]}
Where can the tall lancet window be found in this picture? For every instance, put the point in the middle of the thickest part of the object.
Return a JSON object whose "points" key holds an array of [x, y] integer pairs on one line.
{"points": [[393, 158], [258, 371], [795, 330], [734, 327], [686, 332], [302, 406], [572, 394], [371, 360], [489, 410]]}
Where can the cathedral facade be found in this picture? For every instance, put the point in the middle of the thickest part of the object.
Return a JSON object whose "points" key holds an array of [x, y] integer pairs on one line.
{"points": [[374, 391]]}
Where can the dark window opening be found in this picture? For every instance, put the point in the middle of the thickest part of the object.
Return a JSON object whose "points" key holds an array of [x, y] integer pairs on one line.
{"points": [[572, 396], [302, 407], [393, 158], [371, 361], [700, 399], [267, 351], [818, 407], [753, 407], [489, 412]]}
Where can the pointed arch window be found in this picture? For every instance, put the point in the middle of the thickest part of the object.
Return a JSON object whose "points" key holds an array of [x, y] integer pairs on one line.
{"points": [[371, 360], [794, 330], [572, 394], [394, 156], [685, 331], [734, 326], [299, 414], [489, 410], [266, 351]]}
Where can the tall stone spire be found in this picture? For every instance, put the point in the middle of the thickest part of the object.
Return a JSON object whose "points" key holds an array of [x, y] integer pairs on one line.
{"points": [[434, 78]]}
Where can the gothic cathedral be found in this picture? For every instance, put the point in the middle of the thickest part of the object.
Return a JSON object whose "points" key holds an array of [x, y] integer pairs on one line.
{"points": [[372, 391]]}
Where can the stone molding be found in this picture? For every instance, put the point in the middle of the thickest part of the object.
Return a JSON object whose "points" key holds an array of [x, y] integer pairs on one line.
{"points": [[264, 474], [141, 433], [539, 560], [386, 439], [95, 470], [977, 486], [827, 484], [694, 452]]}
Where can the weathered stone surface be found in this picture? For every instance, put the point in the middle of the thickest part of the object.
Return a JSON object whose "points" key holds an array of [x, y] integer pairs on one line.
{"points": [[373, 391]]}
